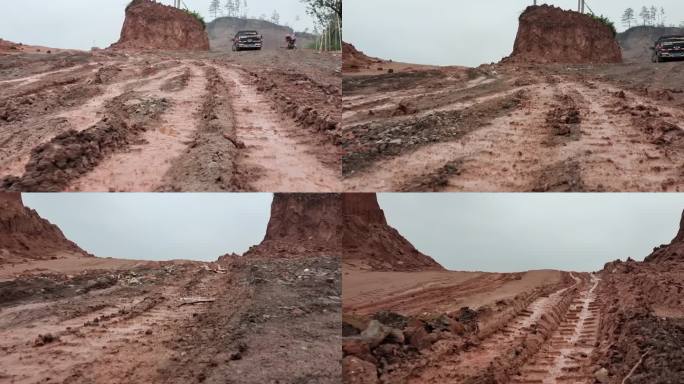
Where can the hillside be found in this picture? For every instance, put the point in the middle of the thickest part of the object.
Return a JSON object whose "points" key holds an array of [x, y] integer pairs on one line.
{"points": [[222, 30], [152, 26], [24, 235], [549, 34], [636, 41]]}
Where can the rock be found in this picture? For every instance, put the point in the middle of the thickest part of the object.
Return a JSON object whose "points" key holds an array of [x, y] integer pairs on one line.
{"points": [[357, 371], [359, 348], [457, 328], [418, 337], [45, 339], [396, 336], [602, 376], [375, 333]]}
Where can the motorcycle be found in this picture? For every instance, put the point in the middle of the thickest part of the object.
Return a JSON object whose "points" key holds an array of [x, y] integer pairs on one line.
{"points": [[291, 42]]}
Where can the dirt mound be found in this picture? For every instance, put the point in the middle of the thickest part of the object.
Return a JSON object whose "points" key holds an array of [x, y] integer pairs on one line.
{"points": [[8, 46], [551, 35], [222, 30], [670, 252], [25, 235], [300, 224], [637, 41], [349, 224], [353, 60], [369, 242], [153, 26], [643, 322]]}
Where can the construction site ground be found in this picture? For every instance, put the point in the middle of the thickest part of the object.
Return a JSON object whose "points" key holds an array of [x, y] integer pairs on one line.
{"points": [[510, 127], [238, 321], [116, 121]]}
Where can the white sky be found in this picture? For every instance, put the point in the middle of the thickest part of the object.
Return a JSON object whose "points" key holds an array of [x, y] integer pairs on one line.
{"points": [[518, 232], [82, 24], [152, 226], [449, 32]]}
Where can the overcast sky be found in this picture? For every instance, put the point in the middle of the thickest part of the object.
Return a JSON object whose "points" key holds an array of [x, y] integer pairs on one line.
{"points": [[518, 232], [448, 32], [151, 226], [82, 24]]}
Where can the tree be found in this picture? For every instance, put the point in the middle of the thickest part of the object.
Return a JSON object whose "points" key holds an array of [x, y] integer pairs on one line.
{"points": [[322, 10], [628, 17], [645, 15], [663, 17], [275, 17], [233, 7], [245, 8], [214, 8], [654, 15]]}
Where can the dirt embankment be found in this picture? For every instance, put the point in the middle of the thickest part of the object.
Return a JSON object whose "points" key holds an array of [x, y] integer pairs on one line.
{"points": [[672, 252], [371, 243], [24, 235], [354, 60], [153, 26], [6, 46], [485, 343], [352, 225], [551, 35], [636, 42], [643, 322]]}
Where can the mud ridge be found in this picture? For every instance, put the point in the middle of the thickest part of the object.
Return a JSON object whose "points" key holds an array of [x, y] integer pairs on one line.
{"points": [[73, 153], [374, 141], [210, 157]]}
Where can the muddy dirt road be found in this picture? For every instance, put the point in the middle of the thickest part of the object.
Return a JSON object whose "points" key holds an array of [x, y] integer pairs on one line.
{"points": [[174, 322], [516, 128], [111, 121], [518, 328]]}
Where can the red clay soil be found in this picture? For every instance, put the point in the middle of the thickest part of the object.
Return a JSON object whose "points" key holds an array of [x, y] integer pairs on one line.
{"points": [[551, 35], [371, 243], [351, 224], [8, 46], [152, 26], [354, 60], [24, 235], [673, 252], [642, 320]]}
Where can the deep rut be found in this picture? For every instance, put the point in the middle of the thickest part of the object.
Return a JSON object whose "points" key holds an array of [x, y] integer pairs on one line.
{"points": [[565, 358], [142, 167], [460, 366], [273, 160]]}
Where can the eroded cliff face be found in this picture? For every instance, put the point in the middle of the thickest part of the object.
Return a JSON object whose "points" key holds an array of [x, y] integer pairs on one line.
{"points": [[352, 226], [24, 235], [547, 34], [670, 252], [152, 26]]}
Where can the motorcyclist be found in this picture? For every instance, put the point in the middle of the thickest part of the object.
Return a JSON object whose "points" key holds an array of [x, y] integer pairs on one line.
{"points": [[291, 41]]}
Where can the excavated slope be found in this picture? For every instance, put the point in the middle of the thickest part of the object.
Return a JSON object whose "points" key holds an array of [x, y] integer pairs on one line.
{"points": [[551, 35], [353, 60], [636, 42], [25, 235], [351, 225], [670, 252], [152, 26]]}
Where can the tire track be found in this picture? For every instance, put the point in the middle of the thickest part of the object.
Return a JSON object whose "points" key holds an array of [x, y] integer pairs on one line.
{"points": [[460, 366], [273, 159], [565, 358], [491, 149], [143, 166]]}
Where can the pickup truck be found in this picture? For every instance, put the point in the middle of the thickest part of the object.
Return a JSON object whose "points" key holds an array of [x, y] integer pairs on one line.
{"points": [[247, 40], [668, 47]]}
